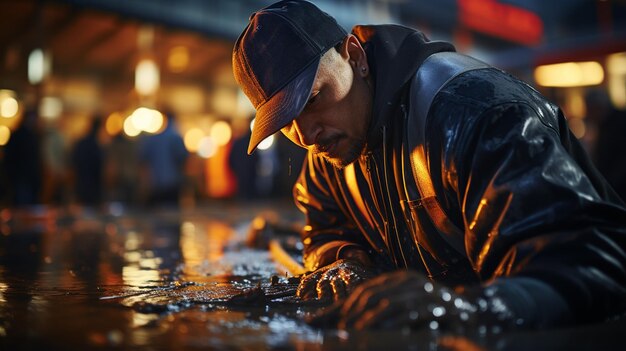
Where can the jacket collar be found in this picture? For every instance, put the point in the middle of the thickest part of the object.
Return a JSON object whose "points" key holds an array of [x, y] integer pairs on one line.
{"points": [[394, 54]]}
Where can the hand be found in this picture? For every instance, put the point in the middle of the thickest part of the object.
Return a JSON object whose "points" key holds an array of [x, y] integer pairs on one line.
{"points": [[333, 282], [408, 299]]}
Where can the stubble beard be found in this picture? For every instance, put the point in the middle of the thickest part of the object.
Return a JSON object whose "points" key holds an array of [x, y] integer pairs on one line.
{"points": [[354, 150]]}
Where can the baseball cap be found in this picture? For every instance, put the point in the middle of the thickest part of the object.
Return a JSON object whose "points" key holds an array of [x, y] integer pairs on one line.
{"points": [[275, 60]]}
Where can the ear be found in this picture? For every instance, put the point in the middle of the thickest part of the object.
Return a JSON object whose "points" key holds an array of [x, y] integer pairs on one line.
{"points": [[352, 50]]}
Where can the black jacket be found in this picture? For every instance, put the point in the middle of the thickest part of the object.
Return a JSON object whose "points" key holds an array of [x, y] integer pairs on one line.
{"points": [[515, 202]]}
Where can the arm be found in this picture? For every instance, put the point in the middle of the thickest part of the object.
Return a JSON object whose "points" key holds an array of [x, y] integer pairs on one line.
{"points": [[537, 227], [329, 235], [334, 248]]}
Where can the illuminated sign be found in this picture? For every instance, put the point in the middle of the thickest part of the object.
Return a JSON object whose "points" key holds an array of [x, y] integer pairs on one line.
{"points": [[501, 20]]}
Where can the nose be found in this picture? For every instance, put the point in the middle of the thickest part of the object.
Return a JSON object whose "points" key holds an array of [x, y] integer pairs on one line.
{"points": [[306, 130]]}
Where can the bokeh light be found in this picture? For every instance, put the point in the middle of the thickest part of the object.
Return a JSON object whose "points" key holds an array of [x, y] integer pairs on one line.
{"points": [[114, 123], [207, 147], [178, 59], [50, 107], [156, 122], [8, 107], [141, 118], [569, 74], [130, 129], [147, 120], [5, 135], [39, 66], [221, 132], [146, 77], [192, 139], [266, 143]]}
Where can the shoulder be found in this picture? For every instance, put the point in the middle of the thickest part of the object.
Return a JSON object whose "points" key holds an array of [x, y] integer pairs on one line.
{"points": [[480, 92], [489, 86]]}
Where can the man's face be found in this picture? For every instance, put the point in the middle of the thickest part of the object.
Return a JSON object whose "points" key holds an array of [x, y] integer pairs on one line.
{"points": [[335, 120]]}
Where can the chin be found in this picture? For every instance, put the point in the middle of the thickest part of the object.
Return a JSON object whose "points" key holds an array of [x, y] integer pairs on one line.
{"points": [[339, 162], [351, 155]]}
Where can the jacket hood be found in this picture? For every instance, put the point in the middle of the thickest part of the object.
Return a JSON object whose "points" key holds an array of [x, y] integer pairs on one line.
{"points": [[394, 54]]}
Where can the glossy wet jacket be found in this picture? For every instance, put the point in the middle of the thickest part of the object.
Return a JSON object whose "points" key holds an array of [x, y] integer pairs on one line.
{"points": [[517, 203]]}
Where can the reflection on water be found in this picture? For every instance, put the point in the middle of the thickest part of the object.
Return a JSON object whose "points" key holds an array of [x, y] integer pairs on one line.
{"points": [[82, 281]]}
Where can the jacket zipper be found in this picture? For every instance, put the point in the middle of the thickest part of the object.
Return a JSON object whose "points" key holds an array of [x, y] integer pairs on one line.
{"points": [[391, 211], [385, 237]]}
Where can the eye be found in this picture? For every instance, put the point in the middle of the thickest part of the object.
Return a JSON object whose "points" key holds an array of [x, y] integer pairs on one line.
{"points": [[313, 98]]}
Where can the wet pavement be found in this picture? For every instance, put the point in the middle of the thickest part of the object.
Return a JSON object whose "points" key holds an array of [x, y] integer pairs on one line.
{"points": [[174, 280]]}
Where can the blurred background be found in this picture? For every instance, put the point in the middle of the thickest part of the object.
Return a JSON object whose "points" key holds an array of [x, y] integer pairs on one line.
{"points": [[115, 104]]}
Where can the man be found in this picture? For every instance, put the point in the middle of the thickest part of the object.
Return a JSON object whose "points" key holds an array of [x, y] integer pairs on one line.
{"points": [[456, 185]]}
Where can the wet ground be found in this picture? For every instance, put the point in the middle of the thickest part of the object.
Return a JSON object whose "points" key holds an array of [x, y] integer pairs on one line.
{"points": [[174, 280]]}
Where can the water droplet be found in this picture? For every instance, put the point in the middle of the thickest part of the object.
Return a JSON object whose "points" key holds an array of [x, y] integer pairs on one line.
{"points": [[413, 315], [428, 287], [519, 321], [433, 325], [464, 316], [446, 296], [482, 330]]}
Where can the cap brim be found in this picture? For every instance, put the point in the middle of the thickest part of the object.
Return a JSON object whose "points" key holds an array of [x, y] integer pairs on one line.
{"points": [[283, 107]]}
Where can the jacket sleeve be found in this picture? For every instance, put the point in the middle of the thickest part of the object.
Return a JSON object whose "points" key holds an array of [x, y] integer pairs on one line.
{"points": [[328, 234], [539, 227]]}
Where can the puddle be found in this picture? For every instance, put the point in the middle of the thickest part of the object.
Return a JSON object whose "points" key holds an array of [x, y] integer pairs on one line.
{"points": [[179, 281]]}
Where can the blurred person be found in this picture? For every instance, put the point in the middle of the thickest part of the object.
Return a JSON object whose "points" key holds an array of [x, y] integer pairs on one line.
{"points": [[164, 155], [267, 171], [88, 166], [244, 168], [439, 192], [290, 159], [54, 152], [608, 146], [122, 170], [23, 162]]}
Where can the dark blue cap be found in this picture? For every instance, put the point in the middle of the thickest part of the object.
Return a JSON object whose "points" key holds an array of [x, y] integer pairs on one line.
{"points": [[276, 58]]}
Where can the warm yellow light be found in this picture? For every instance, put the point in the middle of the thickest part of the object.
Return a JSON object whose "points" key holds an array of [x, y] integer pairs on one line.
{"points": [[576, 104], [50, 107], [5, 135], [221, 133], [252, 124], [146, 77], [569, 74], [130, 129], [146, 120], [207, 147], [266, 143], [178, 59], [141, 118], [616, 69], [156, 122], [616, 63], [192, 139], [8, 106], [114, 123]]}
